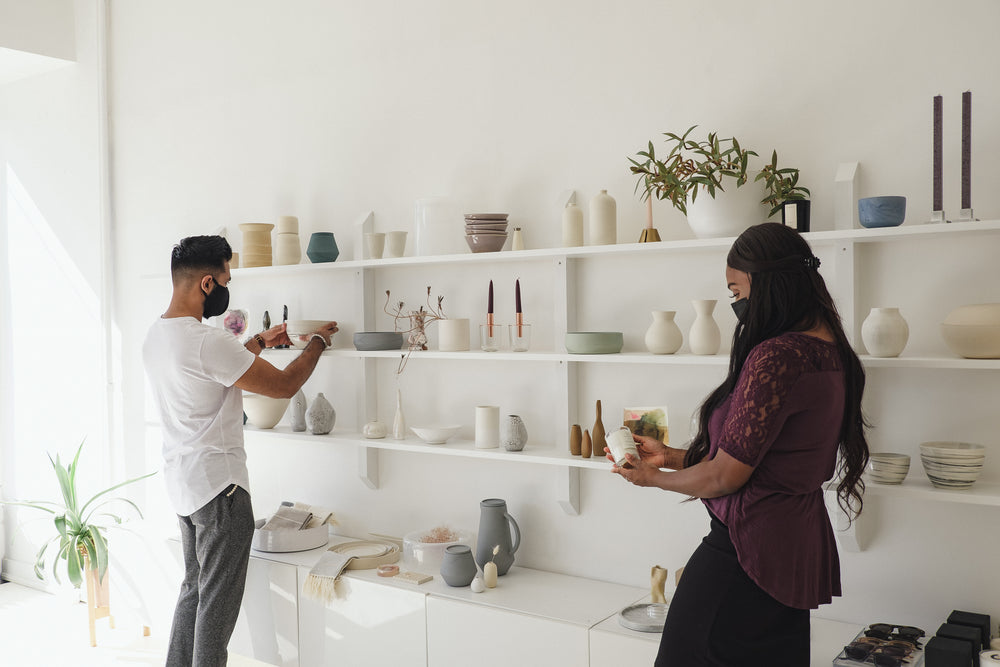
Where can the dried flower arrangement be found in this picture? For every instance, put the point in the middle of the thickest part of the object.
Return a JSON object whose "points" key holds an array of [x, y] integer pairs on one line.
{"points": [[439, 535], [416, 325]]}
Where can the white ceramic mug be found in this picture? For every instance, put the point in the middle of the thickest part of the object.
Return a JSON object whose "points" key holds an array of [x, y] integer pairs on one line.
{"points": [[376, 243], [453, 335], [620, 442], [487, 426], [395, 244]]}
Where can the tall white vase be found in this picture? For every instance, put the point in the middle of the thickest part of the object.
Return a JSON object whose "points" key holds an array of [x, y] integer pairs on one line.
{"points": [[704, 336], [885, 332], [663, 336], [572, 226], [399, 422], [603, 219]]}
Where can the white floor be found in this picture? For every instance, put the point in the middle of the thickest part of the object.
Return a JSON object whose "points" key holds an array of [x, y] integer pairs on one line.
{"points": [[40, 629]]}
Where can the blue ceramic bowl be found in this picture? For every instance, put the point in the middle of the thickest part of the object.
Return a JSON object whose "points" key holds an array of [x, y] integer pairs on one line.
{"points": [[881, 211]]}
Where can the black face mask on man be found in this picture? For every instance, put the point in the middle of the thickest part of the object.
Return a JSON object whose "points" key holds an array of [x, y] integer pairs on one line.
{"points": [[740, 307], [216, 301]]}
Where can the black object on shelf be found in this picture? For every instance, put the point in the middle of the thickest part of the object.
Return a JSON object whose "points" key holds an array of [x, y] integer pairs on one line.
{"points": [[946, 652], [981, 621]]}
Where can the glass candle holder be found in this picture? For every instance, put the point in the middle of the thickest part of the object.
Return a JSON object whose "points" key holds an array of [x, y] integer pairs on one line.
{"points": [[520, 337], [491, 337]]}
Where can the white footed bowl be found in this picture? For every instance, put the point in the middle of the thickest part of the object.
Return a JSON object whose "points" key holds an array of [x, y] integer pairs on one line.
{"points": [[973, 331], [264, 411]]}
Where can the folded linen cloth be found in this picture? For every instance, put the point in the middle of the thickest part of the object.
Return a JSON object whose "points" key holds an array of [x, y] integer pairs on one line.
{"points": [[288, 518], [320, 515], [324, 579]]}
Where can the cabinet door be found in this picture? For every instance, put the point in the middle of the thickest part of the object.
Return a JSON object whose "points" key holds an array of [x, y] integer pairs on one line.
{"points": [[267, 628], [461, 634], [370, 624], [608, 649]]}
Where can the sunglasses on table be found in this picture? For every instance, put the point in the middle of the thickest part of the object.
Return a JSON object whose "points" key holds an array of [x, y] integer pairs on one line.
{"points": [[883, 654], [906, 633]]}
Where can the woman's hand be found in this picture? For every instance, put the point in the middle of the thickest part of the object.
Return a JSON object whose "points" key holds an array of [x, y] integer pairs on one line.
{"points": [[641, 472], [651, 451]]}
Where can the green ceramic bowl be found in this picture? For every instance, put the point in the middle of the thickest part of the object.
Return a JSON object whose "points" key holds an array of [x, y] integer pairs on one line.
{"points": [[594, 342]]}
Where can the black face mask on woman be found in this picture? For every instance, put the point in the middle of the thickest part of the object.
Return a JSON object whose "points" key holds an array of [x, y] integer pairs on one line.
{"points": [[740, 307], [216, 301]]}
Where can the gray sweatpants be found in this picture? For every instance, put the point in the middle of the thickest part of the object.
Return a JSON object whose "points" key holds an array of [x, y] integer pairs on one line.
{"points": [[216, 544]]}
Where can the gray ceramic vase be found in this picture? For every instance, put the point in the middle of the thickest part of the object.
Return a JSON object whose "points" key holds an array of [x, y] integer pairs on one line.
{"points": [[299, 406], [321, 416], [513, 434], [458, 567]]}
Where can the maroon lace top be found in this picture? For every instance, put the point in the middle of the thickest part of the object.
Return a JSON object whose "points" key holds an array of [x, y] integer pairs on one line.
{"points": [[784, 419]]}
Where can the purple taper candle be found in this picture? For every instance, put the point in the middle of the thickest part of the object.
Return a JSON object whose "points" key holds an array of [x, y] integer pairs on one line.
{"points": [[937, 179], [489, 312], [967, 149]]}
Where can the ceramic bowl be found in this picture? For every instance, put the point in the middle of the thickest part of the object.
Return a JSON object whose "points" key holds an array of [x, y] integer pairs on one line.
{"points": [[486, 216], [973, 331], [952, 465], [264, 411], [435, 435], [485, 243], [427, 556], [881, 211], [299, 330], [378, 340], [888, 468], [594, 342], [281, 541]]}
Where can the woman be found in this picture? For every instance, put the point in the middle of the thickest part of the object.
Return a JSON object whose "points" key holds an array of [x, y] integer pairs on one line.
{"points": [[768, 438]]}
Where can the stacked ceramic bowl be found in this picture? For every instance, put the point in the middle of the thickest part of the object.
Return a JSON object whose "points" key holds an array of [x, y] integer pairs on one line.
{"points": [[256, 249], [485, 232], [888, 468], [952, 465], [287, 247]]}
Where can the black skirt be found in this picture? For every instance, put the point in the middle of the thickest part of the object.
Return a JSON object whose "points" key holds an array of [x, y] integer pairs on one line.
{"points": [[720, 617]]}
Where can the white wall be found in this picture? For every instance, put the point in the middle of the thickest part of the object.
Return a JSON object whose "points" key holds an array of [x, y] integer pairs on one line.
{"points": [[232, 112], [43, 27]]}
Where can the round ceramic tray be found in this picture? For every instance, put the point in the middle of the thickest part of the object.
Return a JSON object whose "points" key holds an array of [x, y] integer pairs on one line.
{"points": [[647, 617], [368, 555]]}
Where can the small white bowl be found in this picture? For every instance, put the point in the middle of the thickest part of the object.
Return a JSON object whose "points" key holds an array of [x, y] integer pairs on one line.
{"points": [[888, 468], [298, 331], [435, 435]]}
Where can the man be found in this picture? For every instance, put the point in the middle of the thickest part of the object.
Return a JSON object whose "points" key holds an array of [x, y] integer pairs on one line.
{"points": [[197, 373]]}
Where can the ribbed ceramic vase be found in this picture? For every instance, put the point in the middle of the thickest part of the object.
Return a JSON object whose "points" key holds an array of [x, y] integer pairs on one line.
{"points": [[705, 336], [663, 336], [885, 332]]}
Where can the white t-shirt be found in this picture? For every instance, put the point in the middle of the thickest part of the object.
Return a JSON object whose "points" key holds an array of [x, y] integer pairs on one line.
{"points": [[192, 368]]}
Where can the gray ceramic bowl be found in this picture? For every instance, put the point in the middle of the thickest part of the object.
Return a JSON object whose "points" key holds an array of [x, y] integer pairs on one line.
{"points": [[378, 340], [485, 242], [594, 342], [881, 211]]}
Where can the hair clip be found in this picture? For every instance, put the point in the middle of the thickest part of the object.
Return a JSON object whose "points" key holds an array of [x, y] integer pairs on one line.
{"points": [[811, 262]]}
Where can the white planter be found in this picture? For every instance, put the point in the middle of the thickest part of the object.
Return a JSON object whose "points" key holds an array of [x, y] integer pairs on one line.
{"points": [[884, 332], [453, 335], [729, 213], [705, 337], [663, 336], [603, 219]]}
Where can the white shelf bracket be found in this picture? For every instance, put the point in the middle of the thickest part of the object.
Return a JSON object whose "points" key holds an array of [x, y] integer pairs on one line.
{"points": [[845, 208], [852, 536], [368, 466], [569, 490]]}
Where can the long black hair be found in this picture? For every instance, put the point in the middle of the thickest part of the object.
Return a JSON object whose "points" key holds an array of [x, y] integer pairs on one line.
{"points": [[788, 294]]}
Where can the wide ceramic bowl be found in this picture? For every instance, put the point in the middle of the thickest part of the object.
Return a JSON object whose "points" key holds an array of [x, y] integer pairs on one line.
{"points": [[594, 342], [973, 331], [485, 242], [888, 468], [264, 411], [876, 212], [284, 540], [378, 340], [299, 330], [435, 435], [427, 556], [952, 465]]}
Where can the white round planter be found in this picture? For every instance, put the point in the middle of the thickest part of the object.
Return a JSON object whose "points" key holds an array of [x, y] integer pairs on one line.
{"points": [[884, 332], [729, 213]]}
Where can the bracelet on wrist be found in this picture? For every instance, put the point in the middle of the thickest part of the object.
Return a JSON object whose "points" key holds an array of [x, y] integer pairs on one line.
{"points": [[321, 339], [260, 340]]}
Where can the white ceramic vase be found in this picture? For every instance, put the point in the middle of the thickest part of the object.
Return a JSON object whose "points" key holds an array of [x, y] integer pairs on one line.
{"points": [[603, 219], [453, 335], [704, 336], [729, 213], [299, 407], [572, 226], [320, 416], [884, 332], [663, 336], [399, 422], [287, 249]]}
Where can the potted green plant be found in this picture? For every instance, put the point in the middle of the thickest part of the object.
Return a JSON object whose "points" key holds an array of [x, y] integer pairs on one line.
{"points": [[79, 533], [713, 165], [785, 194]]}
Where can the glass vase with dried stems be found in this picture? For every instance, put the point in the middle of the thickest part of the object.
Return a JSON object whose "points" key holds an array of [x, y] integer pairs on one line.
{"points": [[413, 323]]}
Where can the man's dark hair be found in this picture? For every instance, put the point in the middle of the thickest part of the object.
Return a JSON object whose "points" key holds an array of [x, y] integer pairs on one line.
{"points": [[199, 254]]}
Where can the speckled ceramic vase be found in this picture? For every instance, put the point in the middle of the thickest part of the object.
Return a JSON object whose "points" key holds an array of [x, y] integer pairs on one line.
{"points": [[320, 416]]}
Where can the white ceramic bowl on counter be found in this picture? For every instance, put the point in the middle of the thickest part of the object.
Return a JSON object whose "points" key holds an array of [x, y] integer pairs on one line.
{"points": [[952, 465], [427, 556]]}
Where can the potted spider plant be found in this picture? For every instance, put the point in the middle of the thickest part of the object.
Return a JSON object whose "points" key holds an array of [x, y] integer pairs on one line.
{"points": [[80, 525]]}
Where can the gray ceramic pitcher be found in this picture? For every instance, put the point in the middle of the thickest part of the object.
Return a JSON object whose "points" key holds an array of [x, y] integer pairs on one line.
{"points": [[495, 525]]}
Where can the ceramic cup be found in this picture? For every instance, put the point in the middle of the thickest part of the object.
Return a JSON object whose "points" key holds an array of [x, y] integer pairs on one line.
{"points": [[620, 442], [395, 244], [376, 243], [453, 335], [487, 426]]}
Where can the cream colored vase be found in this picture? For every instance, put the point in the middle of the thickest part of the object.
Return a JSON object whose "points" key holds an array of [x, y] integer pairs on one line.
{"points": [[884, 332], [704, 337], [729, 213], [287, 249], [603, 219], [663, 336]]}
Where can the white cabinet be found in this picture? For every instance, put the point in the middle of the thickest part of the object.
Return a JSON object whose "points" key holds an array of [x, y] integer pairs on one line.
{"points": [[267, 628], [370, 624], [461, 634]]}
